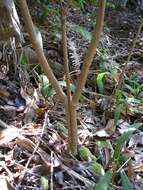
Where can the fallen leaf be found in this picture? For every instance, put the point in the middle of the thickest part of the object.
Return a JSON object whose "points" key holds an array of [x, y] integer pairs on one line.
{"points": [[9, 134], [108, 130]]}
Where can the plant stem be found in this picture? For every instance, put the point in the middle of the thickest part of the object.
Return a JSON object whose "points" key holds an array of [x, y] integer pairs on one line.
{"points": [[69, 109], [91, 51], [40, 54]]}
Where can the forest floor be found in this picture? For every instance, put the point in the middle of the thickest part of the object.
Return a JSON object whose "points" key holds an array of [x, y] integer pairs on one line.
{"points": [[33, 136]]}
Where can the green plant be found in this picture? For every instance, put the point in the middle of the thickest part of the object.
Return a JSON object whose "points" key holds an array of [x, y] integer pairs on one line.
{"points": [[100, 82], [133, 86], [45, 87], [104, 182], [70, 102], [44, 182], [125, 181], [122, 139]]}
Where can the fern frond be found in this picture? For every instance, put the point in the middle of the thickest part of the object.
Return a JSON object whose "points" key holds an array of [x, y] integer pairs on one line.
{"points": [[74, 55]]}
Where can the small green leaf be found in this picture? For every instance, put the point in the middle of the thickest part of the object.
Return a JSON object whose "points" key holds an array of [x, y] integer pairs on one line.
{"points": [[44, 182], [123, 138], [99, 81], [125, 181], [47, 91], [97, 169], [85, 153], [23, 59], [118, 95], [104, 181], [45, 87]]}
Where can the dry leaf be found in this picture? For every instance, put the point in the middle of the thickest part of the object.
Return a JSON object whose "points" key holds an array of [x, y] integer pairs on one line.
{"points": [[7, 135], [108, 131], [3, 184]]}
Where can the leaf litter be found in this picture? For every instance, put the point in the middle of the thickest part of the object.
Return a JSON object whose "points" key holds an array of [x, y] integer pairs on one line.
{"points": [[33, 139]]}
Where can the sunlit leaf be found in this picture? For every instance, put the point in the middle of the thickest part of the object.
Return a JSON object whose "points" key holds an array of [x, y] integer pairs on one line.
{"points": [[44, 182], [99, 81]]}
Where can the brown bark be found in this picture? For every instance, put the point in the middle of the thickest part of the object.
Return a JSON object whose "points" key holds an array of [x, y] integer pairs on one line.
{"points": [[91, 51], [72, 135]]}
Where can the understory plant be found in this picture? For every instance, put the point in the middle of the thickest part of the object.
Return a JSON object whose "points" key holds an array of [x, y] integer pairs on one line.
{"points": [[69, 101]]}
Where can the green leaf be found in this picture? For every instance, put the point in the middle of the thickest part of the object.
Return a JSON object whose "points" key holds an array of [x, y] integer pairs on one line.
{"points": [[99, 81], [125, 181], [123, 138], [97, 169], [104, 181], [85, 153], [23, 59], [118, 95], [132, 90], [82, 3], [47, 91], [44, 182], [45, 87]]}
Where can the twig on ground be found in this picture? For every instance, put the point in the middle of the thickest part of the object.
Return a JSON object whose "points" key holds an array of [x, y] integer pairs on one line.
{"points": [[34, 151], [88, 183]]}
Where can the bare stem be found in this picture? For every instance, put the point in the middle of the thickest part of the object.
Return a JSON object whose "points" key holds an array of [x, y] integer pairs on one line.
{"points": [[91, 51], [69, 109], [40, 54]]}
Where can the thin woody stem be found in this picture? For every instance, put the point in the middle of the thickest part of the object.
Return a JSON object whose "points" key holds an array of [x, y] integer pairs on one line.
{"points": [[40, 54], [91, 51], [70, 110]]}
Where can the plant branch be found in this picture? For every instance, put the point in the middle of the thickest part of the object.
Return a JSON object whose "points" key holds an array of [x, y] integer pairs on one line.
{"points": [[65, 53], [40, 54], [70, 110], [91, 51]]}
